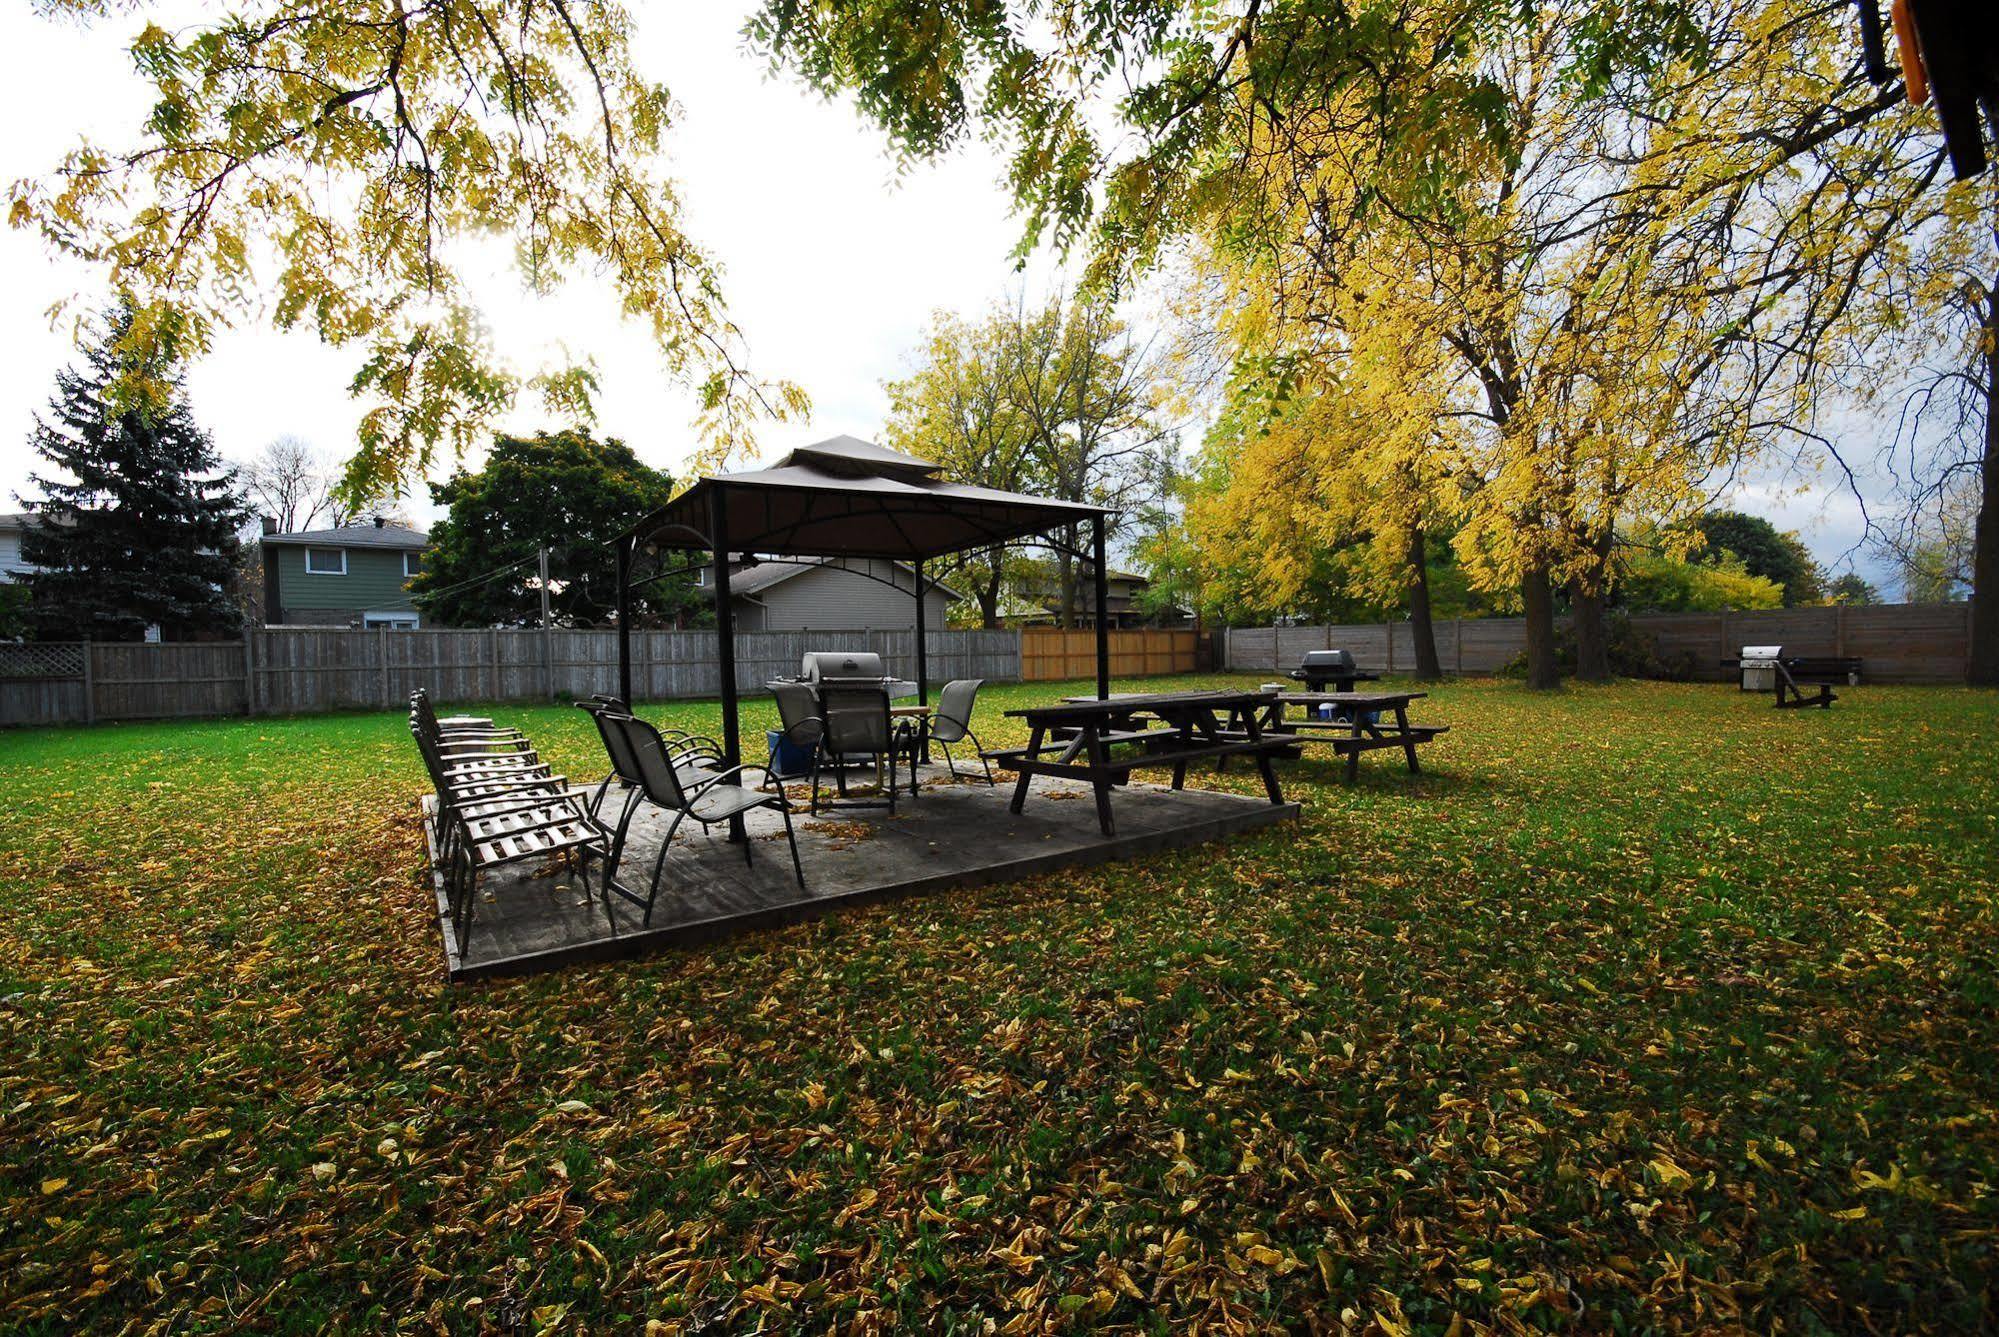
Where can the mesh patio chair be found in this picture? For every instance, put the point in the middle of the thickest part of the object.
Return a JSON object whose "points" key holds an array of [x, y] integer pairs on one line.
{"points": [[858, 727], [801, 727], [711, 801], [694, 756], [952, 723]]}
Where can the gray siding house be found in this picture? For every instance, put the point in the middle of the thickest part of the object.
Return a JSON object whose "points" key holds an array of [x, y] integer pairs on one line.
{"points": [[853, 595], [12, 526], [353, 576]]}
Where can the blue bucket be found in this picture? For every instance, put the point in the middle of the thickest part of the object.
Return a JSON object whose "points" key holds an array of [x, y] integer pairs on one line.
{"points": [[789, 760]]}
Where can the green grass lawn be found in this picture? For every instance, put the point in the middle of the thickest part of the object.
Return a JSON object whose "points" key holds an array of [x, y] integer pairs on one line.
{"points": [[1647, 1007]]}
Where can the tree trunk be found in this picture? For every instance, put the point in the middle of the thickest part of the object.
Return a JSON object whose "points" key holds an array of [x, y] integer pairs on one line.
{"points": [[989, 595], [1544, 673], [1592, 613], [1589, 596], [1985, 534], [1421, 629]]}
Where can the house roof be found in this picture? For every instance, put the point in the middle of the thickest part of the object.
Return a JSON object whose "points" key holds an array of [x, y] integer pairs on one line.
{"points": [[844, 497], [747, 582], [357, 536]]}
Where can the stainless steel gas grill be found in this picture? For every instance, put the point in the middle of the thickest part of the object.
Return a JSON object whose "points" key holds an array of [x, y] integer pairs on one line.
{"points": [[1766, 668], [860, 665], [1329, 671]]}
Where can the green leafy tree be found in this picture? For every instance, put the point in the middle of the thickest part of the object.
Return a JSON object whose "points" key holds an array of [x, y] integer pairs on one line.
{"points": [[139, 520], [1852, 589], [1765, 551], [564, 491]]}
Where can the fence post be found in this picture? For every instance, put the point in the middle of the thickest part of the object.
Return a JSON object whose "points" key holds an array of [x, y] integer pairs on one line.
{"points": [[1388, 634], [382, 663], [547, 662], [1839, 630], [89, 683], [249, 671], [1724, 641], [493, 661], [1461, 647], [1276, 666]]}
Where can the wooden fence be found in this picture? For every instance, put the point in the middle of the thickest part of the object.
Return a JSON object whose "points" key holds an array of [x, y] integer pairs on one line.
{"points": [[1049, 653], [287, 670], [1912, 643]]}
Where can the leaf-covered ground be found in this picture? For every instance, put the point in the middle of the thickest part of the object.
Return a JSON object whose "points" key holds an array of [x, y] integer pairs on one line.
{"points": [[1648, 1007]]}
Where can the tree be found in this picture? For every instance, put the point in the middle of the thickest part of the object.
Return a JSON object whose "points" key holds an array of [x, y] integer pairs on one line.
{"points": [[567, 492], [289, 483], [1629, 298], [957, 409], [1064, 400], [1852, 590], [1123, 115], [1765, 551], [138, 526], [318, 162]]}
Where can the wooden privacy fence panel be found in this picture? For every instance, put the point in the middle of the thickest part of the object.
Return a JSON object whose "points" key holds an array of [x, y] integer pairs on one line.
{"points": [[290, 670], [1048, 653], [1912, 643]]}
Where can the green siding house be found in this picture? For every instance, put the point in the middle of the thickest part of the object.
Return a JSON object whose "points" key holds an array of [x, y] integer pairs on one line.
{"points": [[354, 576]]}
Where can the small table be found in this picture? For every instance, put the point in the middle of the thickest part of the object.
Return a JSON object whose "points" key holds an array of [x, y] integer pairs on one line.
{"points": [[1349, 733], [1194, 728]]}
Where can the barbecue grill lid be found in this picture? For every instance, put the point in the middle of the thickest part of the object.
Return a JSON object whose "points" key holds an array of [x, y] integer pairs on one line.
{"points": [[819, 664], [1328, 659], [1762, 651]]}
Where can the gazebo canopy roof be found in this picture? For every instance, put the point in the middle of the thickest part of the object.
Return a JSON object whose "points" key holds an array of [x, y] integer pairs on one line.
{"points": [[845, 497]]}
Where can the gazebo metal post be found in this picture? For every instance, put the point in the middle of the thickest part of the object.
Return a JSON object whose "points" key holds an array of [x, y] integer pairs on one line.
{"points": [[625, 547], [1100, 579], [725, 638], [922, 649]]}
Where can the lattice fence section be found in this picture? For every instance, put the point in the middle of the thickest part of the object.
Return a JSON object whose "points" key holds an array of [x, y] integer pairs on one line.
{"points": [[54, 660]]}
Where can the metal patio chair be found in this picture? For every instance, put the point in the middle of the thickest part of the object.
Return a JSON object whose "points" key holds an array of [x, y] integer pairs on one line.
{"points": [[694, 756], [800, 727], [859, 726], [711, 801], [952, 722]]}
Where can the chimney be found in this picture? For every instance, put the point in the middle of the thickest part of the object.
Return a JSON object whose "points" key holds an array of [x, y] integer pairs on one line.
{"points": [[269, 523], [380, 521]]}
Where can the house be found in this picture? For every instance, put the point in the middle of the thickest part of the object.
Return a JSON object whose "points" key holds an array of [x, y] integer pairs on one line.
{"points": [[13, 525], [1040, 602], [850, 594], [353, 576]]}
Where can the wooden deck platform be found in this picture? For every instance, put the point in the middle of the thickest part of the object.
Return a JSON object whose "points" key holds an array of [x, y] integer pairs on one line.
{"points": [[956, 835]]}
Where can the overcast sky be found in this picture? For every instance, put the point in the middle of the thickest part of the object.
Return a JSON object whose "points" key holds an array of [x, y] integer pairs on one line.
{"points": [[832, 264]]}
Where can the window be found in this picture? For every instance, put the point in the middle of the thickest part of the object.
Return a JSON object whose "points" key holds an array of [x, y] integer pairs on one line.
{"points": [[326, 561], [393, 621], [412, 563]]}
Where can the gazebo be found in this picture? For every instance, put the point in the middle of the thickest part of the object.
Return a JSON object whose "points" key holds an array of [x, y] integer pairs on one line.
{"points": [[839, 499]]}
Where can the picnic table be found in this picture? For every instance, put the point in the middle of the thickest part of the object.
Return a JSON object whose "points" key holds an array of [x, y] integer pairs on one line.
{"points": [[1102, 741], [1355, 726]]}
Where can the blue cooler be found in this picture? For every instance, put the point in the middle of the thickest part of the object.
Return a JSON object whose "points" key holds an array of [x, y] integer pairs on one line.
{"points": [[788, 760]]}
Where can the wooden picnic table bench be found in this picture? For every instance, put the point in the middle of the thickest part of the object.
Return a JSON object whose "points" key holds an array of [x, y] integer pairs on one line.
{"points": [[1355, 727], [1075, 740]]}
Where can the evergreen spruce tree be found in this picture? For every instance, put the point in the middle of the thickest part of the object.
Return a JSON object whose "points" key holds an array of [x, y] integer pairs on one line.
{"points": [[143, 529]]}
